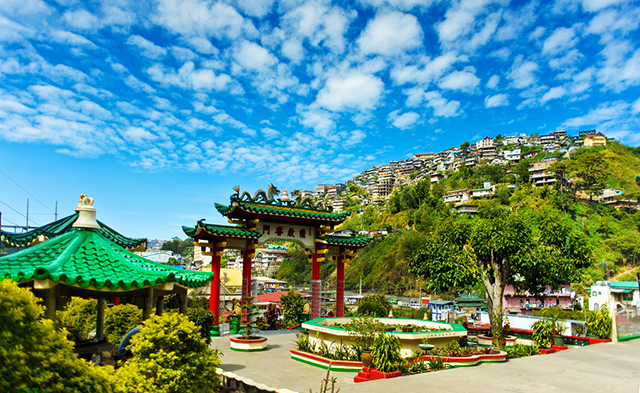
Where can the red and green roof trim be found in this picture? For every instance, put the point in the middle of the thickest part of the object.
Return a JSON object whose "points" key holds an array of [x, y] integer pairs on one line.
{"points": [[220, 230], [347, 241], [281, 210], [87, 258], [64, 225]]}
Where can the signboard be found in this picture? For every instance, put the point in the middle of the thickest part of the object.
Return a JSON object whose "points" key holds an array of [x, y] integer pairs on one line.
{"points": [[304, 235]]}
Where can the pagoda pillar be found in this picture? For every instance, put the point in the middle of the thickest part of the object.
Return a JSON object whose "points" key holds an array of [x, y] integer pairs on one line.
{"points": [[316, 284], [247, 256], [340, 288], [214, 296]]}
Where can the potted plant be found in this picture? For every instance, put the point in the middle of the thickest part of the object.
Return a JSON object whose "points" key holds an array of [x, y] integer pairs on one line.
{"points": [[363, 332], [543, 332], [386, 353], [249, 341]]}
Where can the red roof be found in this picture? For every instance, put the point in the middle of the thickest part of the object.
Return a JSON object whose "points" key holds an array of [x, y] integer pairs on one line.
{"points": [[425, 154], [273, 297]]}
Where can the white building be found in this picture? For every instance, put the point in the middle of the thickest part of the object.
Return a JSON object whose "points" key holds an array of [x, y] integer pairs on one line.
{"points": [[457, 196], [159, 256], [484, 143], [622, 294]]}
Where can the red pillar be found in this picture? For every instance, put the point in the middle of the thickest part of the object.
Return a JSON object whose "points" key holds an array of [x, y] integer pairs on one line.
{"points": [[315, 284], [340, 288], [246, 274], [214, 297]]}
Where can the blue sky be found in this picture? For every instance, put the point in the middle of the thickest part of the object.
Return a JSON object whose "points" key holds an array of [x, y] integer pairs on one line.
{"points": [[156, 109]]}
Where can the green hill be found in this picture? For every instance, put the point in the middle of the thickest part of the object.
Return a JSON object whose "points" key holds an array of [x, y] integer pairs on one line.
{"points": [[416, 209]]}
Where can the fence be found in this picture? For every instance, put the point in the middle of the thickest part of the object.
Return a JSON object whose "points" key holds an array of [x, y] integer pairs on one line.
{"points": [[628, 323]]}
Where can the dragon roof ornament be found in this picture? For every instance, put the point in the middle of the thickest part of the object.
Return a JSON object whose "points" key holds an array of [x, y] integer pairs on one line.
{"points": [[270, 198]]}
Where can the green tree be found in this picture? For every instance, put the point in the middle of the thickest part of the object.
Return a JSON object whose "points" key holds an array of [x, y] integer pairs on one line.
{"points": [[522, 169], [169, 355], [119, 320], [527, 252], [590, 168], [37, 358], [292, 306]]}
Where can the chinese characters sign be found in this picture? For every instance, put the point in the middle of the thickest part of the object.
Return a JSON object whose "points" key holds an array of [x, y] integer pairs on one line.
{"points": [[278, 231]]}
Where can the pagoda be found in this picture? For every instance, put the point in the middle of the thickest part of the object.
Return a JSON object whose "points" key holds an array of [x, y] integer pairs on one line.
{"points": [[263, 217]]}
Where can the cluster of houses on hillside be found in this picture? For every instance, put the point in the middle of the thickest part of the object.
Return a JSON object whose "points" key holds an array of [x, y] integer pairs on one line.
{"points": [[380, 181]]}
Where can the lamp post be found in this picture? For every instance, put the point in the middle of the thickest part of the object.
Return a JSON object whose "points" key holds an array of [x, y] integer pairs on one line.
{"points": [[606, 270]]}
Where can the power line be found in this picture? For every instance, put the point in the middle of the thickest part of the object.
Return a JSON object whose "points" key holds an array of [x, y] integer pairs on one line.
{"points": [[19, 213], [27, 192]]}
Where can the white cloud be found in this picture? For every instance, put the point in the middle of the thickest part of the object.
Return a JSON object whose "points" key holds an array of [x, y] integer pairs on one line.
{"points": [[202, 45], [553, 93], [523, 73], [353, 91], [257, 8], [189, 77], [391, 34], [81, 19], [493, 82], [427, 70], [502, 53], [597, 5], [200, 18], [635, 108], [441, 106], [253, 57], [146, 47], [66, 37], [460, 19], [405, 5], [604, 112], [404, 121], [270, 133], [496, 100], [465, 80], [560, 40]]}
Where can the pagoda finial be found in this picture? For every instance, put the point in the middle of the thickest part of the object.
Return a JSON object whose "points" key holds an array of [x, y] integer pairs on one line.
{"points": [[285, 196], [86, 214]]}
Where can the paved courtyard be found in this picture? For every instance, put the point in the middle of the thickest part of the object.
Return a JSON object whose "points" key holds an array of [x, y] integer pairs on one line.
{"points": [[611, 367]]}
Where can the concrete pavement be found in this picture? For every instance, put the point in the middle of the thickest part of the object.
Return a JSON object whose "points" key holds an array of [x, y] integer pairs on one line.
{"points": [[610, 367]]}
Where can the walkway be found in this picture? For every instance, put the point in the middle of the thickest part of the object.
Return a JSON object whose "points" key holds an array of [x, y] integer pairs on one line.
{"points": [[596, 368]]}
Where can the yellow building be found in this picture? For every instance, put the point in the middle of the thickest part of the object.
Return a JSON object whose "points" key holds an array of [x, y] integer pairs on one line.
{"points": [[595, 140]]}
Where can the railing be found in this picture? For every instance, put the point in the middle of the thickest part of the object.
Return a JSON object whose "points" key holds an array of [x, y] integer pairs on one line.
{"points": [[628, 323]]}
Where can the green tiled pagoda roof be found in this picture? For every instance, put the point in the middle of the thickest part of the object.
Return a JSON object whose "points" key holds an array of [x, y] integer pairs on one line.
{"points": [[348, 241], [220, 230], [65, 225], [88, 258], [279, 210]]}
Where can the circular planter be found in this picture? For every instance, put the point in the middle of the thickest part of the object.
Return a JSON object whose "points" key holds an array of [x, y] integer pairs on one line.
{"points": [[252, 344]]}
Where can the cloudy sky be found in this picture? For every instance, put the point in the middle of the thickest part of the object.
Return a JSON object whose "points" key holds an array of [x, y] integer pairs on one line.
{"points": [[157, 108]]}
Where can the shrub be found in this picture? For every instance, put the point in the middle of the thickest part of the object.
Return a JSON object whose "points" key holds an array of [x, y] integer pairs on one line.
{"points": [[118, 320], [271, 317], [386, 352], [35, 357], [81, 315], [292, 306], [599, 323], [170, 356], [543, 332], [203, 319], [372, 309], [363, 331], [378, 299], [520, 351]]}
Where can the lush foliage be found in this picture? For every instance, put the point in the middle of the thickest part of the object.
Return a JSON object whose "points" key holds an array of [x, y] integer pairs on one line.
{"points": [[371, 304], [37, 358], [292, 306], [521, 350], [363, 331], [272, 317], [386, 352], [503, 250], [119, 320], [170, 355], [203, 319], [599, 322], [543, 331], [80, 315]]}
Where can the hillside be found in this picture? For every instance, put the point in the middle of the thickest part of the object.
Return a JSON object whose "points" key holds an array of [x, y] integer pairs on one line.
{"points": [[413, 210]]}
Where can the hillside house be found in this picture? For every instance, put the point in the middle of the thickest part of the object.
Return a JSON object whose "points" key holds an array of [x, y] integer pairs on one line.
{"points": [[436, 177], [524, 303], [622, 294], [482, 192], [339, 204], [595, 140], [538, 173], [456, 196], [512, 156], [485, 143]]}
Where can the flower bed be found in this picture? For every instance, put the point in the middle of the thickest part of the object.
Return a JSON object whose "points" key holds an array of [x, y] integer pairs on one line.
{"points": [[486, 341], [322, 362], [467, 361], [251, 345]]}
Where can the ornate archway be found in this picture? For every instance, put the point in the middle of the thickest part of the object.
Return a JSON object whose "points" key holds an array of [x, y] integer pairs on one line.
{"points": [[264, 217]]}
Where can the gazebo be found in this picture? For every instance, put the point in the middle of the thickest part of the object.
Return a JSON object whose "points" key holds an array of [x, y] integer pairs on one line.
{"points": [[85, 262], [263, 218]]}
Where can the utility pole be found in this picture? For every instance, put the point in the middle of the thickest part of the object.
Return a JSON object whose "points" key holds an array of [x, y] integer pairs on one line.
{"points": [[360, 286], [26, 228], [56, 210]]}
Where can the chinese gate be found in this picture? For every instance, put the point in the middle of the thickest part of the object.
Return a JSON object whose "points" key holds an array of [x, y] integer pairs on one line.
{"points": [[263, 218]]}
